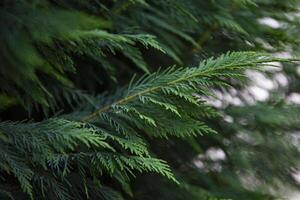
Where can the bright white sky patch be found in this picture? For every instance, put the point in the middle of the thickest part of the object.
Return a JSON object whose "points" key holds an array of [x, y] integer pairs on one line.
{"points": [[294, 98], [268, 21], [283, 55], [281, 79], [298, 70], [273, 66], [295, 196], [215, 154], [259, 94], [260, 79]]}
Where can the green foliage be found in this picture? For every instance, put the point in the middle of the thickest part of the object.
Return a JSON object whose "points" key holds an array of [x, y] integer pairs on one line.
{"points": [[57, 147], [54, 149], [96, 133]]}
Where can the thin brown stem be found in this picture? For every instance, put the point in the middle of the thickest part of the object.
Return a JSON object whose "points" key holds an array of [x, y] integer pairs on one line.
{"points": [[204, 37]]}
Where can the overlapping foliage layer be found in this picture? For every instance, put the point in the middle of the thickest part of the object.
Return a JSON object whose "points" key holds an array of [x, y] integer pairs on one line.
{"points": [[94, 132]]}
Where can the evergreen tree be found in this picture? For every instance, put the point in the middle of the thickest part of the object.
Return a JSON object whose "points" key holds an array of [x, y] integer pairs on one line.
{"points": [[130, 99]]}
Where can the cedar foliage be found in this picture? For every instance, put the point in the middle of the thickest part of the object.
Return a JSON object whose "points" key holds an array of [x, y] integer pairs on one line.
{"points": [[99, 96]]}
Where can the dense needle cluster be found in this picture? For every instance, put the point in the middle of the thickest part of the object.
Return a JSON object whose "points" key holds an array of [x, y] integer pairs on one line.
{"points": [[104, 113]]}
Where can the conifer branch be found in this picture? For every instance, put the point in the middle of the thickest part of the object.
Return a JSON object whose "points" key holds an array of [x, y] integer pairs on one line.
{"points": [[105, 139], [249, 59]]}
